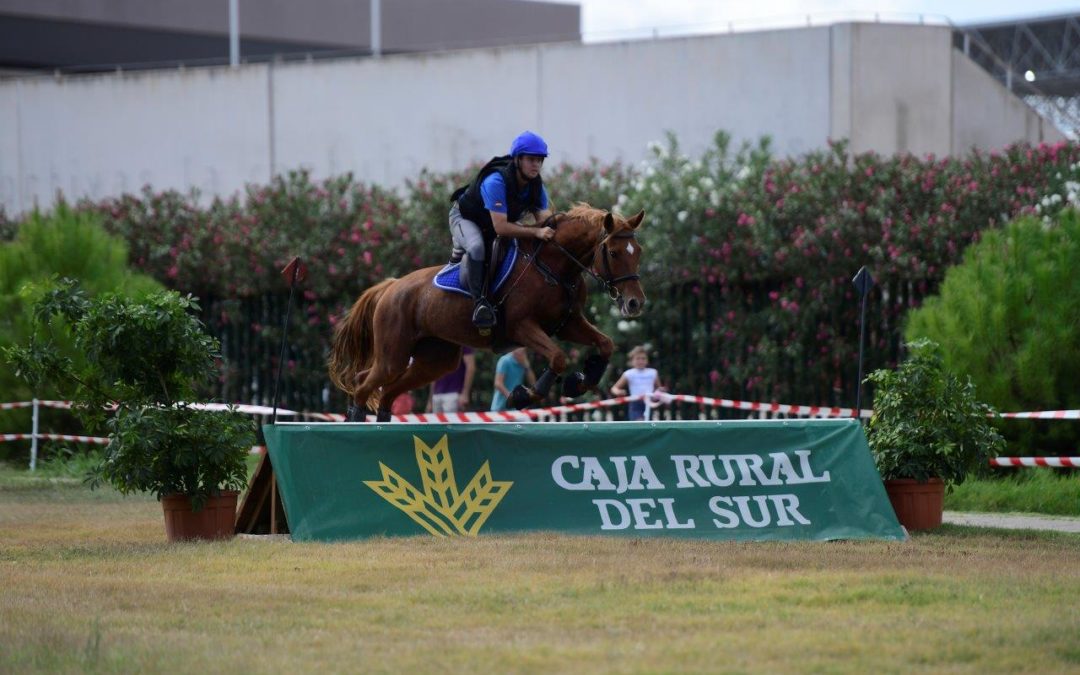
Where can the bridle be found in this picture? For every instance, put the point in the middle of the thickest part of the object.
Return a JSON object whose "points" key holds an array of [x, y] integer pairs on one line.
{"points": [[609, 281], [570, 286]]}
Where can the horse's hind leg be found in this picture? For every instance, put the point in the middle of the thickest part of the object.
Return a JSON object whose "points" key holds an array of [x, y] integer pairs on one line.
{"points": [[388, 368], [432, 359]]}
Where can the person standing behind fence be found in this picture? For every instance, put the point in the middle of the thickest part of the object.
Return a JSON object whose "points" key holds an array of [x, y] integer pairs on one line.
{"points": [[511, 370], [450, 393], [637, 381]]}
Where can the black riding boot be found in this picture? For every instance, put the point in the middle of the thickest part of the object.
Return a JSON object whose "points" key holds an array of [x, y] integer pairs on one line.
{"points": [[483, 316]]}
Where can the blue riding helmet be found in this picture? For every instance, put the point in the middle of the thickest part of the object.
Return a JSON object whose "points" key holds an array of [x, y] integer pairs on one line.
{"points": [[528, 143]]}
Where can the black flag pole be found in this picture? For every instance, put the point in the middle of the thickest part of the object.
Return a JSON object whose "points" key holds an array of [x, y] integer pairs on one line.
{"points": [[295, 273], [863, 283]]}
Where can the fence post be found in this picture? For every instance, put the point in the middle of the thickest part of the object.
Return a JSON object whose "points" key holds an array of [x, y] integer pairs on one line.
{"points": [[34, 437]]}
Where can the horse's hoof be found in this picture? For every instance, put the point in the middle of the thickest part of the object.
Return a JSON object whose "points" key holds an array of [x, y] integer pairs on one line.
{"points": [[574, 385], [521, 397], [355, 414], [382, 416]]}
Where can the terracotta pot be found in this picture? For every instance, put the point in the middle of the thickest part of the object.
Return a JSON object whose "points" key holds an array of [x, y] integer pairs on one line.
{"points": [[216, 520], [918, 506]]}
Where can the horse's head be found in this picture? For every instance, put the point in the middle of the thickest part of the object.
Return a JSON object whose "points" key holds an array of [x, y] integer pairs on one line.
{"points": [[606, 245], [616, 262]]}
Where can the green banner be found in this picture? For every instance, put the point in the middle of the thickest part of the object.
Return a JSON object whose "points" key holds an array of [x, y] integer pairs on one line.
{"points": [[736, 480]]}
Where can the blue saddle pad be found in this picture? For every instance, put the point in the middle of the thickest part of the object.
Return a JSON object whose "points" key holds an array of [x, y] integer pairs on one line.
{"points": [[449, 277]]}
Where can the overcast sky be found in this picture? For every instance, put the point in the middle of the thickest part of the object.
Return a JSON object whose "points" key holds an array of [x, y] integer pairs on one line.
{"points": [[615, 19]]}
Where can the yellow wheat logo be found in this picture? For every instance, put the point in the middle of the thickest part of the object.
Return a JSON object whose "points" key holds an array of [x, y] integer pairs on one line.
{"points": [[440, 508]]}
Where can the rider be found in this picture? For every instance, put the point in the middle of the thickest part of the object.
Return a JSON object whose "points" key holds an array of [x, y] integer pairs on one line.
{"points": [[486, 207]]}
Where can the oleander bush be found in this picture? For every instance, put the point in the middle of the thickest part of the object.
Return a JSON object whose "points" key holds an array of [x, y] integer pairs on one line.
{"points": [[748, 266]]}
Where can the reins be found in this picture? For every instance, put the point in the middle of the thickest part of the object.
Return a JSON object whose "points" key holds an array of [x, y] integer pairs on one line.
{"points": [[607, 284], [552, 279]]}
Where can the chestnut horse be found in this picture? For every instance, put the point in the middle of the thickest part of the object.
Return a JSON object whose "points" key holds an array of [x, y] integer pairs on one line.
{"points": [[405, 333]]}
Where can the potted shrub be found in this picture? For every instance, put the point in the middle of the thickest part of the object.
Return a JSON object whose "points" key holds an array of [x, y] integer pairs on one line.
{"points": [[927, 432], [144, 359]]}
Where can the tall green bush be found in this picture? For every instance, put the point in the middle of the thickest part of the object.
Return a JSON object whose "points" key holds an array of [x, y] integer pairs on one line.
{"points": [[1009, 317], [63, 243]]}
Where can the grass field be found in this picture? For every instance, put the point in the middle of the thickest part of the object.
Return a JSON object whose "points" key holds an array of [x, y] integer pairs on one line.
{"points": [[1028, 490], [88, 584]]}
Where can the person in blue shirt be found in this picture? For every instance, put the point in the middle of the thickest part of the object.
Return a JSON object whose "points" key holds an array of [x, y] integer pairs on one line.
{"points": [[504, 191], [511, 370]]}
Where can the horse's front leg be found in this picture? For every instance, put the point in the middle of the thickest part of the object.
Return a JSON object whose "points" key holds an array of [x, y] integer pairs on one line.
{"points": [[580, 330], [530, 335]]}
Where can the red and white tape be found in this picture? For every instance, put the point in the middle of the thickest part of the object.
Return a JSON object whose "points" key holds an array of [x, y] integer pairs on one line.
{"points": [[1060, 462], [55, 437], [655, 399], [1044, 415], [16, 405]]}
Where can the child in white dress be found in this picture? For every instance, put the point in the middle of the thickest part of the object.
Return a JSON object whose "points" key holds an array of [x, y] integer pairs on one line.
{"points": [[638, 380]]}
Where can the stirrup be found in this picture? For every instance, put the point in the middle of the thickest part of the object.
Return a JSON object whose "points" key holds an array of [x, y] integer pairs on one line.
{"points": [[483, 316]]}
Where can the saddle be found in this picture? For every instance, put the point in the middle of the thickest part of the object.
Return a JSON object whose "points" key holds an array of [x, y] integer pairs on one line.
{"points": [[454, 276]]}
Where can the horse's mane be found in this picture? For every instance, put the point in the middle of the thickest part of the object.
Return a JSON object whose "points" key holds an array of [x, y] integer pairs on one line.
{"points": [[589, 214]]}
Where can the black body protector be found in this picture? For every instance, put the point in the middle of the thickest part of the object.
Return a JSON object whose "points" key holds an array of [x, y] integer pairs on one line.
{"points": [[472, 207]]}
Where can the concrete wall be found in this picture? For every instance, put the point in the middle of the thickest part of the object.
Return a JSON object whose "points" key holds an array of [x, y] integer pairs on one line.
{"points": [[888, 88], [99, 136], [900, 88]]}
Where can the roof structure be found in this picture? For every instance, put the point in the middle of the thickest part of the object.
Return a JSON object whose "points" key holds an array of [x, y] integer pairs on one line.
{"points": [[72, 36], [1038, 58]]}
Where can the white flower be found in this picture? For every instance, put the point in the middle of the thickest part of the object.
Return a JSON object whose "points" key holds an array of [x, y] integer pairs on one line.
{"points": [[743, 173], [682, 216], [707, 183], [692, 193], [622, 199]]}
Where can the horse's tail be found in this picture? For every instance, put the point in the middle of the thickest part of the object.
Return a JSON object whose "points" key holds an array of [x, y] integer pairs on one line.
{"points": [[352, 347]]}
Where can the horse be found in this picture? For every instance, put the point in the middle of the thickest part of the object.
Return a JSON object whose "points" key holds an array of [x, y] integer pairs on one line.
{"points": [[405, 333]]}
